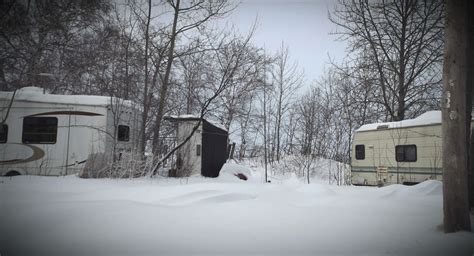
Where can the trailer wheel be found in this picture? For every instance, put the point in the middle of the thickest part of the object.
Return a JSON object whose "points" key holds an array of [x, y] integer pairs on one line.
{"points": [[12, 173]]}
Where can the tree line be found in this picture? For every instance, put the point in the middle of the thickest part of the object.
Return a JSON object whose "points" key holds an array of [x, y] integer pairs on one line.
{"points": [[172, 57]]}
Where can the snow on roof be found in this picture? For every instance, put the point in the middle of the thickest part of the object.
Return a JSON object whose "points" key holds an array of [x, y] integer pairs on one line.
{"points": [[36, 94], [192, 117], [183, 117], [217, 124], [430, 117]]}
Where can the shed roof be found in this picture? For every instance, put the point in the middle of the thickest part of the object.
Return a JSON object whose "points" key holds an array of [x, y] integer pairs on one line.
{"points": [[188, 117]]}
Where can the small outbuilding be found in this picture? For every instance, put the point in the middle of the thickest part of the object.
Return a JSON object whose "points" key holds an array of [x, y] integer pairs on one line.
{"points": [[206, 151]]}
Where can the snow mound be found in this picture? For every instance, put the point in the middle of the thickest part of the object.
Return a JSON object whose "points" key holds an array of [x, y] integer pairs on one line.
{"points": [[225, 198], [206, 197], [316, 190], [426, 188], [232, 169], [392, 190], [429, 187], [292, 180]]}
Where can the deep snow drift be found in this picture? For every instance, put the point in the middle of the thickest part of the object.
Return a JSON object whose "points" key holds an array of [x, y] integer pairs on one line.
{"points": [[168, 216]]}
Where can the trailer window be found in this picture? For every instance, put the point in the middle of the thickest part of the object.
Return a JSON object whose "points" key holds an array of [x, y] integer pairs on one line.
{"points": [[40, 130], [123, 133], [405, 153], [360, 152], [3, 133]]}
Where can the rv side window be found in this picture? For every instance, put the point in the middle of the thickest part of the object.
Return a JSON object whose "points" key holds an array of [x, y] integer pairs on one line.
{"points": [[360, 152], [405, 153], [40, 130], [3, 133], [123, 133]]}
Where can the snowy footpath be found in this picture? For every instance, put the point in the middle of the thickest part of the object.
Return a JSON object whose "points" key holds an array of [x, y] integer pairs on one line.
{"points": [[223, 216]]}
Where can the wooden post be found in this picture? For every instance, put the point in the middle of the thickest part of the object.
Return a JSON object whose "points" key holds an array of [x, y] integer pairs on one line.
{"points": [[455, 72], [469, 98], [232, 150], [471, 171]]}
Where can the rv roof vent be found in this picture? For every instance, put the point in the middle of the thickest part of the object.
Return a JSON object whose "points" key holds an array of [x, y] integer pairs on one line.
{"points": [[383, 126], [32, 89]]}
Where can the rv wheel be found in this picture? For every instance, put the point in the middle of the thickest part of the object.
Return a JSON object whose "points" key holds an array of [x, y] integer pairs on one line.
{"points": [[12, 173]]}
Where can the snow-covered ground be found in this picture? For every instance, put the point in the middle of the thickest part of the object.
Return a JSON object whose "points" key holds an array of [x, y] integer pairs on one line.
{"points": [[223, 216]]}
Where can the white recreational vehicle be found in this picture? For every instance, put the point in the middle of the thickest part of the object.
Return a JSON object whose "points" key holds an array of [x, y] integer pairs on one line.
{"points": [[47, 134], [404, 152]]}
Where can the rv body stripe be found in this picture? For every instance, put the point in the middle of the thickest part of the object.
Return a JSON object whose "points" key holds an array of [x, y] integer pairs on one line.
{"points": [[400, 172], [394, 168], [38, 153], [77, 113]]}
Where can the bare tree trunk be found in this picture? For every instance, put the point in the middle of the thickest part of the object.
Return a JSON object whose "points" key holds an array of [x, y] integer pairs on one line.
{"points": [[455, 185], [165, 82], [278, 121], [146, 104], [265, 129], [243, 134]]}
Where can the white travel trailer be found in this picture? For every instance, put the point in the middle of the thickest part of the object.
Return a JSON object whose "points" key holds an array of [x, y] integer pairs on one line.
{"points": [[47, 134], [404, 152]]}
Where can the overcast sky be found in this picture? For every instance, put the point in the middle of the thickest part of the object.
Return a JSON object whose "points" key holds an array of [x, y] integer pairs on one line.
{"points": [[302, 24]]}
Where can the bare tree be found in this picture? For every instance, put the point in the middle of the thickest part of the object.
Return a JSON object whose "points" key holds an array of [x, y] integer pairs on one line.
{"points": [[37, 36], [265, 124], [146, 96], [237, 95], [192, 67], [288, 79], [193, 14], [230, 56], [403, 42]]}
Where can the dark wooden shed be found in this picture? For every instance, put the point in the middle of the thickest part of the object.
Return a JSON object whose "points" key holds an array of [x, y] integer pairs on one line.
{"points": [[206, 152]]}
